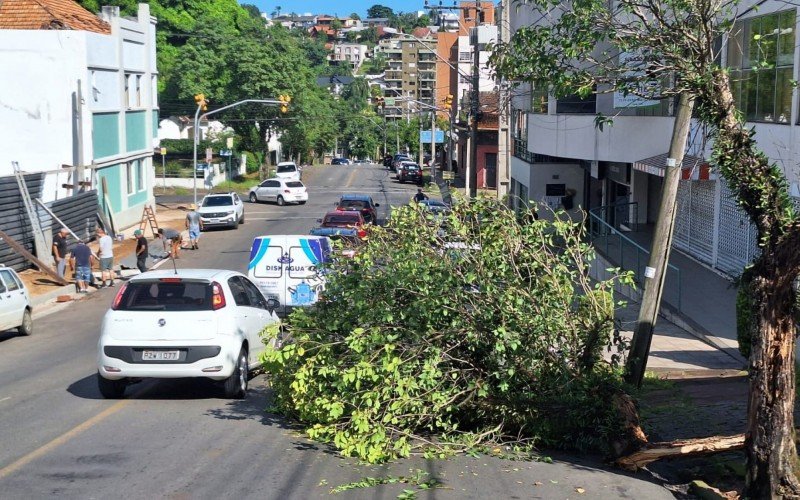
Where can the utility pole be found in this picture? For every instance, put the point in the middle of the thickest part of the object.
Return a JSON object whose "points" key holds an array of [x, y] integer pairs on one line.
{"points": [[656, 269], [475, 106], [433, 146], [79, 168]]}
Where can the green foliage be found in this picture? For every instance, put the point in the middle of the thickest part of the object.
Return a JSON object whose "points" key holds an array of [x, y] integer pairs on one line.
{"points": [[745, 317], [253, 162], [378, 10], [469, 326], [418, 479]]}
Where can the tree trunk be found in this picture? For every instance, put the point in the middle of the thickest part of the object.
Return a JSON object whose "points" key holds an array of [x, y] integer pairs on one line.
{"points": [[760, 188], [770, 438]]}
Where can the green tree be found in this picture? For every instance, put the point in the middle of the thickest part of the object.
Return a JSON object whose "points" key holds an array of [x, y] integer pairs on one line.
{"points": [[252, 9], [355, 16], [471, 326], [675, 44], [336, 25], [380, 11]]}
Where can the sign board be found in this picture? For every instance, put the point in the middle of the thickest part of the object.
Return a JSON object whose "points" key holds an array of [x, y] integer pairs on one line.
{"points": [[209, 154], [448, 176], [389, 101], [636, 67], [425, 136], [229, 143], [163, 151]]}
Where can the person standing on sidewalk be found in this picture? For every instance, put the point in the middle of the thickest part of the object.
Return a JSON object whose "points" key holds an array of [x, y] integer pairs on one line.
{"points": [[106, 255], [193, 225], [60, 251], [141, 250], [81, 262]]}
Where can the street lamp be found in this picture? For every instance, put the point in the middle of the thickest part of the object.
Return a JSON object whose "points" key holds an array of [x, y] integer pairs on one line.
{"points": [[202, 105]]}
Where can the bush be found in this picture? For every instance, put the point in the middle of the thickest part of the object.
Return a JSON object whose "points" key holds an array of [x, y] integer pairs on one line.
{"points": [[467, 327], [252, 162]]}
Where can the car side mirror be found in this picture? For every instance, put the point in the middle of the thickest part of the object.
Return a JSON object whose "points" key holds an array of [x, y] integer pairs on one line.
{"points": [[319, 220], [377, 204], [273, 304]]}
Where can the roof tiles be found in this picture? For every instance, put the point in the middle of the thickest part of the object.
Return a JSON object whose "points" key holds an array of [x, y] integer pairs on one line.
{"points": [[49, 15]]}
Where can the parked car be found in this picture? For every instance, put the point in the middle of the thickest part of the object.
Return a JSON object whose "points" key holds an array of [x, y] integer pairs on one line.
{"points": [[286, 268], [15, 303], [348, 224], [410, 171], [400, 167], [203, 323], [280, 191], [287, 170], [359, 203], [340, 161], [387, 161], [435, 206], [221, 209], [397, 160]]}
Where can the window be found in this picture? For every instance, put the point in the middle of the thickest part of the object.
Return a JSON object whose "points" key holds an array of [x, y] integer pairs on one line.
{"points": [[127, 95], [577, 104], [138, 96], [11, 283], [166, 296], [239, 294], [464, 57], [129, 177], [139, 175], [760, 55], [540, 95]]}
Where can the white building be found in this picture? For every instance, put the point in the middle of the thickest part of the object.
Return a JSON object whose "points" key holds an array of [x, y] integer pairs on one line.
{"points": [[487, 34], [80, 90], [557, 145], [352, 53]]}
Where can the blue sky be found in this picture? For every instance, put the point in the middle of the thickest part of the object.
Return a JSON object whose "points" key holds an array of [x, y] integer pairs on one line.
{"points": [[331, 7]]}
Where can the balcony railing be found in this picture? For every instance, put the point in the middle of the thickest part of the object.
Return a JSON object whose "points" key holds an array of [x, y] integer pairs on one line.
{"points": [[521, 150]]}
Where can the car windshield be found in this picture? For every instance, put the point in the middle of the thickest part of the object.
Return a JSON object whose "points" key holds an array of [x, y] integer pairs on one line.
{"points": [[352, 204], [166, 296], [282, 169], [340, 220], [217, 201], [294, 184]]}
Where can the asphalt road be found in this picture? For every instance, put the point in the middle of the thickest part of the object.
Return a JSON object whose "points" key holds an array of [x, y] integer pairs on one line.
{"points": [[179, 439]]}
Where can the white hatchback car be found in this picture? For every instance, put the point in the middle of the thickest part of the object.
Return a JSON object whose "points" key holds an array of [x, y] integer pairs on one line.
{"points": [[280, 191], [287, 170], [15, 303], [221, 209], [185, 323]]}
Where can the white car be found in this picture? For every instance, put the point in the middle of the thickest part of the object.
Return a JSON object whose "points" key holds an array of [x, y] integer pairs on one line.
{"points": [[15, 303], [281, 191], [287, 170], [221, 209], [185, 323]]}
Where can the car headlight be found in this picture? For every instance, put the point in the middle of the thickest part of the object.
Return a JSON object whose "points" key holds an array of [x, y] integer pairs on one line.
{"points": [[231, 212]]}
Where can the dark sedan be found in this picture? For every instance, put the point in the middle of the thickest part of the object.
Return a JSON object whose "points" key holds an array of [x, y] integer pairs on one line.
{"points": [[361, 203]]}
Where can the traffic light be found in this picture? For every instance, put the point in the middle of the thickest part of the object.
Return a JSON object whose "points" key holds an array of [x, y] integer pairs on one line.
{"points": [[284, 99], [448, 101], [200, 100]]}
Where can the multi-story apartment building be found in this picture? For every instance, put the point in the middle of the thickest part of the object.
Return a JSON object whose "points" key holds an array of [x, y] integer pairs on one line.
{"points": [[410, 76], [353, 54], [558, 149]]}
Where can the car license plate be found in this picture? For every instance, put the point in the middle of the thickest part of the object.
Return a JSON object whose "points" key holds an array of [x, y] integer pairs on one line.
{"points": [[161, 355]]}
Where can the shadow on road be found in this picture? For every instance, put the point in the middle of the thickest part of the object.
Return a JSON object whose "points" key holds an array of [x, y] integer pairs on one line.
{"points": [[154, 389]]}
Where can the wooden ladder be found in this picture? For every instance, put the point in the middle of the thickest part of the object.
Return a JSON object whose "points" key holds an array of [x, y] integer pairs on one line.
{"points": [[149, 217]]}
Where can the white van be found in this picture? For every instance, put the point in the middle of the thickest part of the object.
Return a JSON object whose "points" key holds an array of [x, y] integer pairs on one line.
{"points": [[286, 268]]}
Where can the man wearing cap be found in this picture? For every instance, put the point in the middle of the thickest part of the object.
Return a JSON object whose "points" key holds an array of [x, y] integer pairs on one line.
{"points": [[141, 250], [60, 251], [193, 225]]}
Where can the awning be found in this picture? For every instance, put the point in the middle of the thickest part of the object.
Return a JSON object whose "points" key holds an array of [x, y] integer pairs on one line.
{"points": [[692, 167]]}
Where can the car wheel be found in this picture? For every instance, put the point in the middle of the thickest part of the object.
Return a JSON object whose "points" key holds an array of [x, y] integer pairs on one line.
{"points": [[280, 201], [253, 198], [235, 386], [302, 202], [26, 328], [235, 224], [111, 389], [241, 221]]}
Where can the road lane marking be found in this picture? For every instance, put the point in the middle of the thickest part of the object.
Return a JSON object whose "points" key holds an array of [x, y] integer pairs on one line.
{"points": [[62, 439], [5, 399], [351, 178]]}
